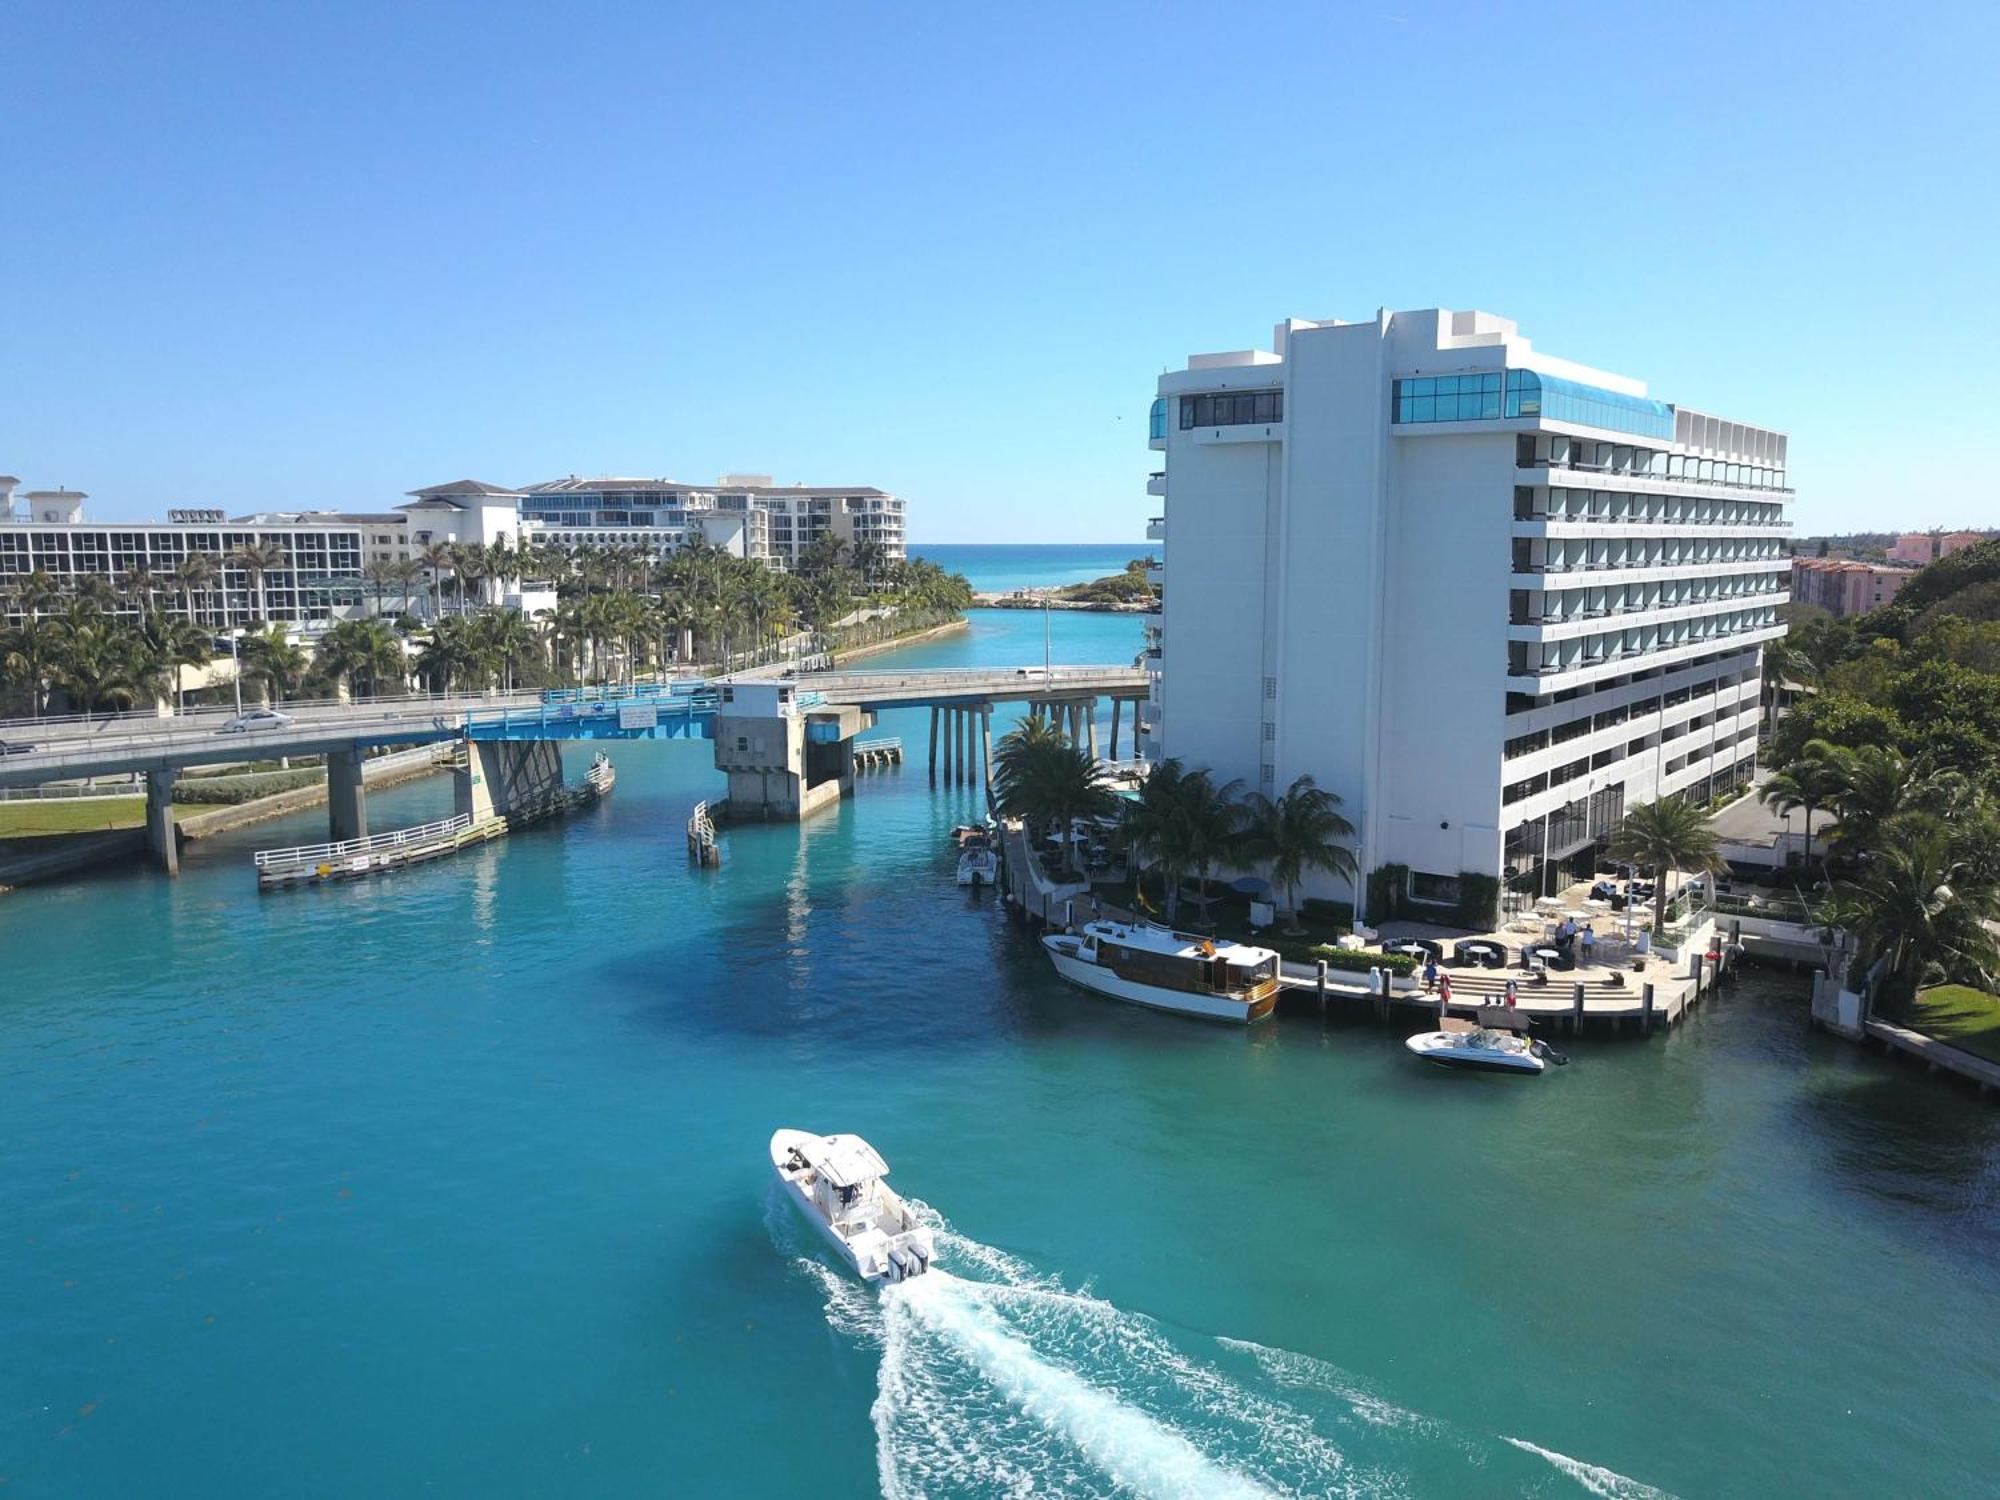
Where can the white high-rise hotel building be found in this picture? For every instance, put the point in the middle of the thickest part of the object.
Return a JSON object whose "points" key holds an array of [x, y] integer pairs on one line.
{"points": [[1490, 597]]}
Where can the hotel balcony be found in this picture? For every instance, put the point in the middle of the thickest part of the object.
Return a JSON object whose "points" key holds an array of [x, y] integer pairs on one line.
{"points": [[1156, 484], [1560, 678], [1156, 530], [1549, 577], [1584, 622]]}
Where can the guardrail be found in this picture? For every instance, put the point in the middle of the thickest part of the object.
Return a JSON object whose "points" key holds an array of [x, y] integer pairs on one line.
{"points": [[310, 856], [72, 792], [702, 846], [888, 742], [545, 716]]}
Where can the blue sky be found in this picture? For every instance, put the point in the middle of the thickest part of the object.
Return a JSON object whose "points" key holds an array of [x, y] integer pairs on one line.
{"points": [[320, 254]]}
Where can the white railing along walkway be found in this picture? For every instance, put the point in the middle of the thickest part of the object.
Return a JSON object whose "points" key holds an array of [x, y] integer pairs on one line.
{"points": [[307, 856]]}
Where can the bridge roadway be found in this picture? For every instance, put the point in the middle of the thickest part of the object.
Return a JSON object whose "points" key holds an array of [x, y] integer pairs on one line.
{"points": [[70, 749]]}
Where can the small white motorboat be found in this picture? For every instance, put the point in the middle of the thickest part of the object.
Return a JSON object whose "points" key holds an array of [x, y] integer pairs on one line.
{"points": [[836, 1182], [1495, 1043], [979, 865]]}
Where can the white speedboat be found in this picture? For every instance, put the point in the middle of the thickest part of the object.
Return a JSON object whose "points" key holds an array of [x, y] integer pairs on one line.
{"points": [[836, 1182], [1495, 1043], [1176, 971], [979, 865]]}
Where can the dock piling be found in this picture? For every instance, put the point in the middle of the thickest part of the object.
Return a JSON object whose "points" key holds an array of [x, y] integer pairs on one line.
{"points": [[1576, 1010], [1646, 1010]]}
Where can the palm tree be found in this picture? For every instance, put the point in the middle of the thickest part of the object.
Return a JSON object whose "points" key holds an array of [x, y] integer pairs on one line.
{"points": [[1300, 831], [1664, 836], [256, 558], [161, 644], [141, 583], [454, 655], [1879, 786], [29, 652], [268, 656], [1211, 822], [473, 567], [94, 658], [1921, 903], [362, 651], [1810, 780], [196, 571], [437, 560], [1048, 783], [1149, 832], [509, 642], [36, 593]]}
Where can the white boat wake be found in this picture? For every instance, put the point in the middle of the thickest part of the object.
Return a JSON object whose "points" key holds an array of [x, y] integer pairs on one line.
{"points": [[996, 1380]]}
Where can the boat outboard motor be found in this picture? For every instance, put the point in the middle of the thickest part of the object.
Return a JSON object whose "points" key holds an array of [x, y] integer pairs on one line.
{"points": [[1549, 1054]]}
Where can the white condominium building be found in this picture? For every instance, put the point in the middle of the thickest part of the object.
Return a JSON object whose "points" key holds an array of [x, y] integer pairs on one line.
{"points": [[1489, 597], [741, 513]]}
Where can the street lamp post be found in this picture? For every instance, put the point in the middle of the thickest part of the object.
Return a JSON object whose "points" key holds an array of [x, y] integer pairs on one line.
{"points": [[236, 661]]}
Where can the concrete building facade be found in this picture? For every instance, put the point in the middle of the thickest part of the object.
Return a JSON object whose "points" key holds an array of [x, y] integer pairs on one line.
{"points": [[1489, 597], [1920, 547]]}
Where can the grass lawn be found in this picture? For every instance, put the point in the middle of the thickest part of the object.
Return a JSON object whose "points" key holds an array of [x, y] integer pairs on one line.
{"points": [[86, 815], [1960, 1015]]}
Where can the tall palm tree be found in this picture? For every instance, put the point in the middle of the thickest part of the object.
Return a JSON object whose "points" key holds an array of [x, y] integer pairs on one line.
{"points": [[140, 584], [268, 656], [161, 644], [436, 560], [1920, 903], [1049, 784], [1664, 836], [1299, 831], [1810, 780], [1880, 785], [36, 593], [509, 643], [94, 658], [1211, 820], [1149, 832], [28, 654], [257, 558], [195, 573], [363, 652]]}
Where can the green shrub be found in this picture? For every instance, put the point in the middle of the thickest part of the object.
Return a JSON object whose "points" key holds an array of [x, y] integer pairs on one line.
{"points": [[1333, 913], [1388, 892], [1478, 899], [1402, 965], [226, 791]]}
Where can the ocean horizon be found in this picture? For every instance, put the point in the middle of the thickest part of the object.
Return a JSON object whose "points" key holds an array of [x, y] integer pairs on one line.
{"points": [[994, 567]]}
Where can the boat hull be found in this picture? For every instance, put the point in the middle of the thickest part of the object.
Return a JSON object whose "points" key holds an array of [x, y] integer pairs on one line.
{"points": [[1436, 1048], [1089, 976], [877, 1267]]}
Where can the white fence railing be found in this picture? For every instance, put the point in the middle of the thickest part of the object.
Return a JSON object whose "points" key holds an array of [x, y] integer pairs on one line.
{"points": [[308, 856]]}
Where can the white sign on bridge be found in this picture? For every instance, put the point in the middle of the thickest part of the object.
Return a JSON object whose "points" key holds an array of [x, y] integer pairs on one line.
{"points": [[639, 718]]}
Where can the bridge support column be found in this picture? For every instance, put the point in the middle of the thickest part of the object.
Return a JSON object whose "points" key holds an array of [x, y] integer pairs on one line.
{"points": [[934, 730], [1117, 707], [346, 796], [951, 744], [502, 777], [162, 840], [986, 748], [1090, 726]]}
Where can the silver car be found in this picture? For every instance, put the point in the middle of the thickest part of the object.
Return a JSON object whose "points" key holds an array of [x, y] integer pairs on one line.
{"points": [[257, 718]]}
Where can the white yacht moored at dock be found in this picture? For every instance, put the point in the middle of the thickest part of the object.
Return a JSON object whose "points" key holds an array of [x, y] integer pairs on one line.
{"points": [[1166, 970], [836, 1182]]}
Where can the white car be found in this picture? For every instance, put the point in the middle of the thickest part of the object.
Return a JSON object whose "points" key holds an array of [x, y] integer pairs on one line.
{"points": [[257, 718]]}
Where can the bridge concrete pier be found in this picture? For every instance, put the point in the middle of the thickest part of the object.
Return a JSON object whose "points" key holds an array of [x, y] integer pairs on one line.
{"points": [[503, 776], [1117, 706], [162, 839], [932, 762], [346, 796], [783, 762]]}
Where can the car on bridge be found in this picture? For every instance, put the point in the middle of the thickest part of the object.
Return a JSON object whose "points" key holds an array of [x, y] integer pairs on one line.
{"points": [[257, 718], [15, 747]]}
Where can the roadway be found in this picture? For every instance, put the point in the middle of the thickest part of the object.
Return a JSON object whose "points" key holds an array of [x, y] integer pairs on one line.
{"points": [[66, 749]]}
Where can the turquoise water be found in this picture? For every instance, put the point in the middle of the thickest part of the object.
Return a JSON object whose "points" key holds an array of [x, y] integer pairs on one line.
{"points": [[456, 1183], [997, 568]]}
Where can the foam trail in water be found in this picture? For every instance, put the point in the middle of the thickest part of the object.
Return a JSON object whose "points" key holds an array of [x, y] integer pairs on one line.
{"points": [[1132, 1449], [1593, 1477]]}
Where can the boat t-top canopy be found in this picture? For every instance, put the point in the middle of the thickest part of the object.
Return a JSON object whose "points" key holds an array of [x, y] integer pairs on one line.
{"points": [[843, 1160], [1502, 1018]]}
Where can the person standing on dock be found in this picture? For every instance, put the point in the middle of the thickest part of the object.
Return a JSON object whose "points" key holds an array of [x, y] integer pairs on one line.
{"points": [[1512, 998], [1444, 989]]}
